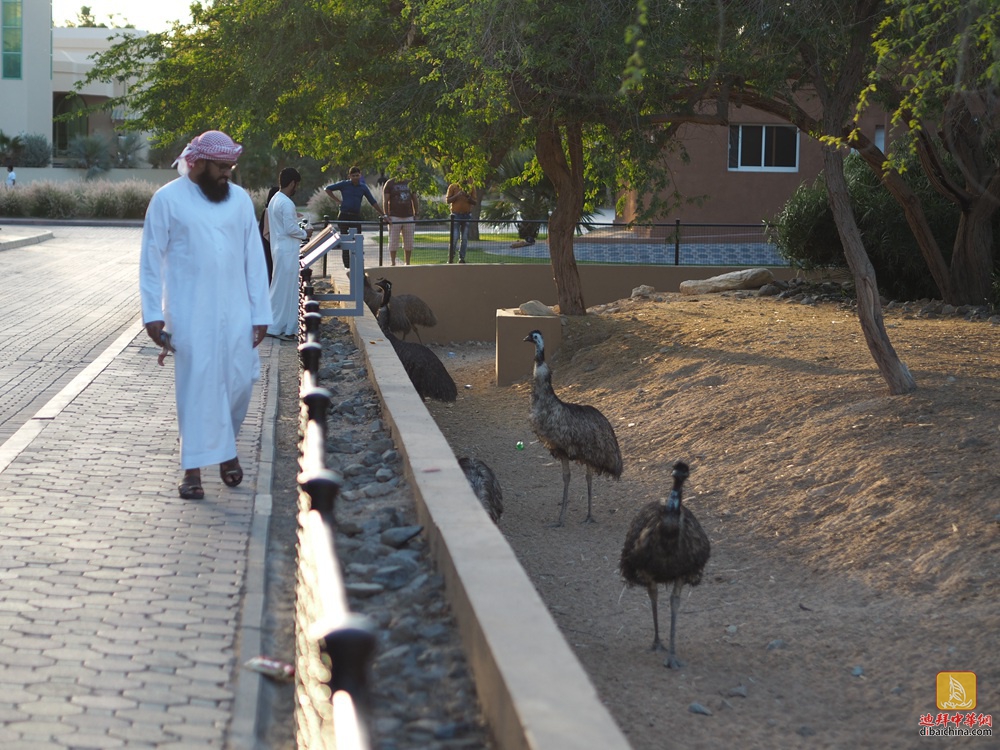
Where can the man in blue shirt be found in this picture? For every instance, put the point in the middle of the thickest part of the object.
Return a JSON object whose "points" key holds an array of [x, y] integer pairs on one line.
{"points": [[351, 193]]}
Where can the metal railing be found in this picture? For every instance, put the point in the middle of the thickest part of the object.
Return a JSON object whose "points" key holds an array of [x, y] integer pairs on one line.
{"points": [[334, 646], [676, 243]]}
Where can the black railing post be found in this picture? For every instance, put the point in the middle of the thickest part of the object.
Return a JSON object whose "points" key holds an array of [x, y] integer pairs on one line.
{"points": [[451, 239], [381, 241], [351, 648], [677, 242]]}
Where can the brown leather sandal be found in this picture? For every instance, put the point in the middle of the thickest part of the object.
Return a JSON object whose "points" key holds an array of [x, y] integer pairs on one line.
{"points": [[231, 472], [191, 489]]}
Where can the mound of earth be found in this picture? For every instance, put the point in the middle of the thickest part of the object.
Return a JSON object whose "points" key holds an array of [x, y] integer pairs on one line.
{"points": [[854, 534]]}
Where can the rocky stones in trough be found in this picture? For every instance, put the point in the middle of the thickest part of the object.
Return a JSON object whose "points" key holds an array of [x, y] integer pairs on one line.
{"points": [[422, 691]]}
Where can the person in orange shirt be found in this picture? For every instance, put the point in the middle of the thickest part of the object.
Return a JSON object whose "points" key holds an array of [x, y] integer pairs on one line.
{"points": [[461, 197]]}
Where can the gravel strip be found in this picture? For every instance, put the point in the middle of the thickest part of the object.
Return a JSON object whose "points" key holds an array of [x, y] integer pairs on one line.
{"points": [[422, 689]]}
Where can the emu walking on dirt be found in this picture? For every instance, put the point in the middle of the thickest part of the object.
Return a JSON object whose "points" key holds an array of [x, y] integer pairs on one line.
{"points": [[571, 432], [484, 483], [665, 544], [424, 369]]}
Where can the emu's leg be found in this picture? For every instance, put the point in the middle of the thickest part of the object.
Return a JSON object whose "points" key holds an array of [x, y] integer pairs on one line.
{"points": [[590, 481], [417, 331], [675, 599], [565, 502], [651, 590]]}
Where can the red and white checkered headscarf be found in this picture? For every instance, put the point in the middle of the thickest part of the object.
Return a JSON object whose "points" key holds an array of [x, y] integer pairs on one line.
{"points": [[212, 144]]}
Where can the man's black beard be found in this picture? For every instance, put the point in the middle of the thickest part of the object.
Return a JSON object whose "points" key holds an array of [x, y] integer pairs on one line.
{"points": [[215, 190]]}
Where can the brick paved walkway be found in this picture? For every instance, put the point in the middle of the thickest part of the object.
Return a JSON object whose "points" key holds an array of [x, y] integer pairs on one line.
{"points": [[125, 612]]}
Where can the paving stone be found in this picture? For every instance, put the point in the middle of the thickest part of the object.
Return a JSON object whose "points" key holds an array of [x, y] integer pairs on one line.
{"points": [[119, 601]]}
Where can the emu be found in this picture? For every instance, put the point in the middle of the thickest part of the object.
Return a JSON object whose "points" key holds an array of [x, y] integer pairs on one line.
{"points": [[484, 483], [406, 313], [665, 544], [424, 369], [571, 432]]}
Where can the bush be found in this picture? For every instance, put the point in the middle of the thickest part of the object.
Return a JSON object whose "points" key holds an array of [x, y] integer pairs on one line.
{"points": [[53, 200], [129, 150], [14, 202], [37, 151], [805, 232], [90, 152], [115, 200]]}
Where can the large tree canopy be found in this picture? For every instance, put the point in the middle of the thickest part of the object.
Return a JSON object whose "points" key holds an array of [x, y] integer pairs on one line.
{"points": [[453, 84]]}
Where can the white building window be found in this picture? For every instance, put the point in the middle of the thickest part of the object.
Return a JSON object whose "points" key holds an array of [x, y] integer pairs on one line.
{"points": [[763, 148], [12, 32], [880, 137]]}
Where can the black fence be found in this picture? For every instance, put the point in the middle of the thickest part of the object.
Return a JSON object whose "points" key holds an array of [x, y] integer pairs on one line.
{"points": [[677, 243], [334, 646]]}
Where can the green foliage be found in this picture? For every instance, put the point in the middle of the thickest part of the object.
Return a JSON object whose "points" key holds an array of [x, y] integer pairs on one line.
{"points": [[101, 199], [527, 196], [90, 152], [53, 200], [37, 151], [128, 154], [10, 147], [806, 234], [14, 202]]}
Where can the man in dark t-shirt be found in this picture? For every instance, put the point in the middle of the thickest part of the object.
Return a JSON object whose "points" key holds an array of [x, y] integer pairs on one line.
{"points": [[400, 205], [352, 191]]}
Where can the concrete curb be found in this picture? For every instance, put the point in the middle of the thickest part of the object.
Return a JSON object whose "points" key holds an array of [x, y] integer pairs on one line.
{"points": [[21, 240], [532, 688], [242, 733]]}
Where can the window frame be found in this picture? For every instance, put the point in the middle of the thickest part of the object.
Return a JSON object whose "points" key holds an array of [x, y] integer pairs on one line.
{"points": [[763, 128]]}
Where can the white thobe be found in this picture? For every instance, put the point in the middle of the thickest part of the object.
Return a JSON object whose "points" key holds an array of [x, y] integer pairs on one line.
{"points": [[286, 237], [202, 271]]}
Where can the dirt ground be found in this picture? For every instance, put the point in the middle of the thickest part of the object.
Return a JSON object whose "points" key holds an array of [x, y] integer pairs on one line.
{"points": [[854, 534]]}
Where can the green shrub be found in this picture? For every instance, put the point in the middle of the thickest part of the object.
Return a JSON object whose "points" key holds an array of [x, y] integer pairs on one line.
{"points": [[128, 154], [134, 197], [101, 199], [37, 151], [14, 202], [54, 200], [90, 152], [435, 208], [805, 232]]}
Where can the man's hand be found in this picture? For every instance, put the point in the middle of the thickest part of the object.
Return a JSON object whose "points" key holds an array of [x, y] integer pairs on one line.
{"points": [[258, 335], [153, 329]]}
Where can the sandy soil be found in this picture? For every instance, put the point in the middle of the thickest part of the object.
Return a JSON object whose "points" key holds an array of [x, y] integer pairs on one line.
{"points": [[855, 536]]}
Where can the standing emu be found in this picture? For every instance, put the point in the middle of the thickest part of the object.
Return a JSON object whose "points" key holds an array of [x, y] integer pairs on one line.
{"points": [[484, 483], [571, 432], [424, 369], [665, 544]]}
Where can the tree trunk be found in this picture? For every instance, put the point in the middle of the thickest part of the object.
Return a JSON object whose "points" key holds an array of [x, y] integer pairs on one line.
{"points": [[972, 256], [567, 178], [896, 375]]}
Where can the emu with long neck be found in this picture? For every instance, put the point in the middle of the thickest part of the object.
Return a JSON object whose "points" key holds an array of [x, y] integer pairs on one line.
{"points": [[571, 432]]}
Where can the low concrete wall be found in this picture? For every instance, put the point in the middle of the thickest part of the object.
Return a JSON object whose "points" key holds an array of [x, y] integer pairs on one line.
{"points": [[27, 175], [465, 298]]}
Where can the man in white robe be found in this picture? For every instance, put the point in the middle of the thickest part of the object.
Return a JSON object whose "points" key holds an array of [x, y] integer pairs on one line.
{"points": [[203, 283], [286, 241]]}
